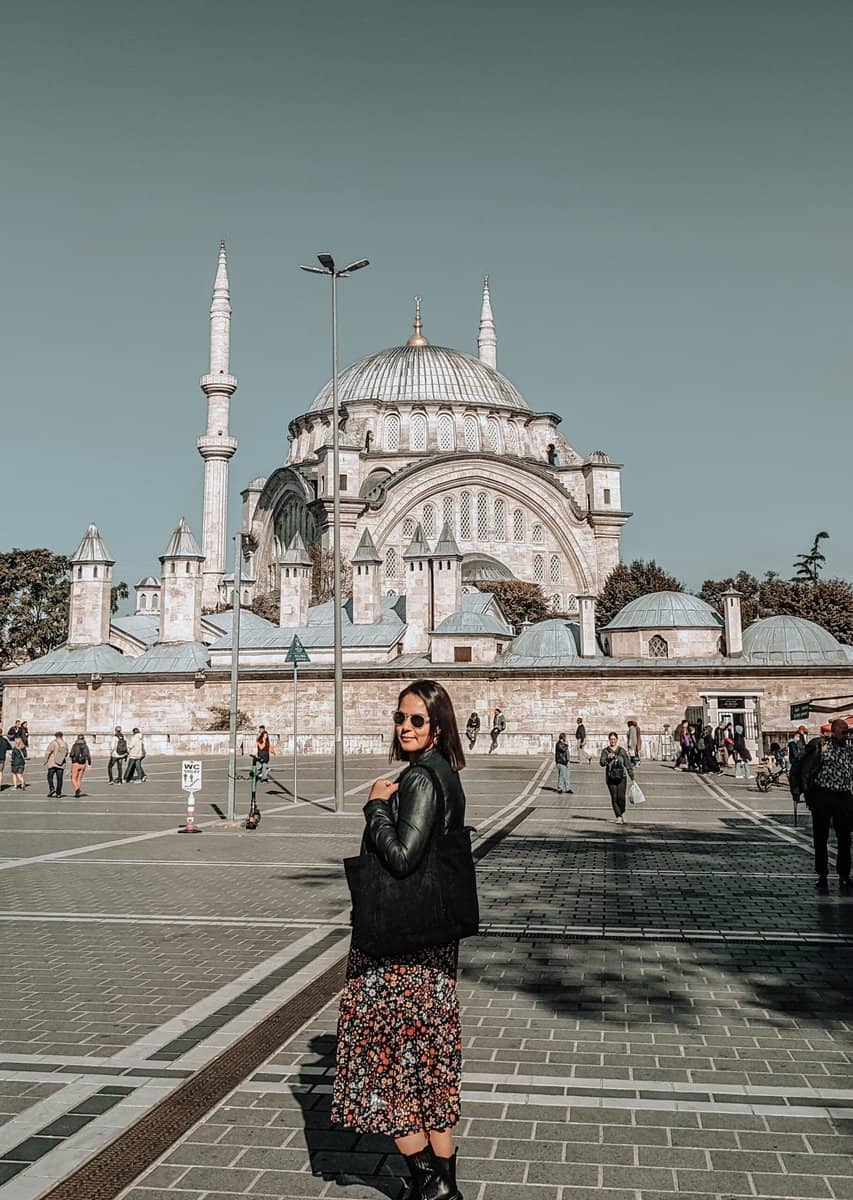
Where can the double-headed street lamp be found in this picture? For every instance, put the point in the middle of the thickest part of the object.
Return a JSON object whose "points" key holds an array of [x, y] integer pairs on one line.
{"points": [[327, 267]]}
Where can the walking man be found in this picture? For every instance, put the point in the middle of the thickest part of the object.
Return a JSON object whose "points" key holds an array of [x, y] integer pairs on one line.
{"points": [[823, 773], [118, 756], [54, 760], [564, 771], [81, 760], [498, 727], [135, 755], [580, 736]]}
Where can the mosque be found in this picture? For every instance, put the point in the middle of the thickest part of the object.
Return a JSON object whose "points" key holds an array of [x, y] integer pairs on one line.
{"points": [[449, 481]]}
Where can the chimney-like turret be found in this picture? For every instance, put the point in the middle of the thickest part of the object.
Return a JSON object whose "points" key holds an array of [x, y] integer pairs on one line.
{"points": [[586, 607], [180, 587], [91, 584], [418, 578], [734, 622], [295, 585], [446, 576], [366, 582]]}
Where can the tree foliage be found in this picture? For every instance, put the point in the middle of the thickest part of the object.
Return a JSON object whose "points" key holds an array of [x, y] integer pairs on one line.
{"points": [[807, 567], [749, 587], [119, 591], [520, 601], [627, 582], [267, 606], [220, 719], [323, 575], [34, 597], [827, 602]]}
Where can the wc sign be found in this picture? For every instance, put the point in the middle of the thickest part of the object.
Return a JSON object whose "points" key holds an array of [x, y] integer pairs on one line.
{"points": [[191, 775]]}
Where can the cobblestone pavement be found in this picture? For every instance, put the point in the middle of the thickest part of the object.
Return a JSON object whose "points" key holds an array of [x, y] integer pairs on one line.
{"points": [[659, 1008]]}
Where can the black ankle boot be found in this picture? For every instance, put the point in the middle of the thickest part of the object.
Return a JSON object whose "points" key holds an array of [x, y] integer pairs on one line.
{"points": [[428, 1179], [447, 1167]]}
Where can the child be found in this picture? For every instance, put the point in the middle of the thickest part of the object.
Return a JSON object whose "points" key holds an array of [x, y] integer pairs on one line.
{"points": [[19, 763]]}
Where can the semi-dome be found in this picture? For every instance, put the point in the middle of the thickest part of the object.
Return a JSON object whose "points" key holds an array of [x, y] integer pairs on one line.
{"points": [[483, 568], [793, 641], [551, 643], [419, 373], [666, 610]]}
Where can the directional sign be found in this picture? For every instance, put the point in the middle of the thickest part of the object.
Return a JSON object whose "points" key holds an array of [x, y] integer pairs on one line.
{"points": [[191, 775], [296, 652], [800, 712]]}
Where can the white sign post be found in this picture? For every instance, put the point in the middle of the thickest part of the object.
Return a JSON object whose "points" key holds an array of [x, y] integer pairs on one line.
{"points": [[190, 783]]}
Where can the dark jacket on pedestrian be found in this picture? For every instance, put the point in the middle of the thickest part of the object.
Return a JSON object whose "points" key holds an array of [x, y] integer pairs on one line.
{"points": [[19, 759], [80, 752], [561, 752], [802, 777], [613, 760], [5, 747]]}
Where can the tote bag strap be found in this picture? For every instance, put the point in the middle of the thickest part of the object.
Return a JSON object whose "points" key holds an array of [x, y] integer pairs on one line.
{"points": [[439, 789]]}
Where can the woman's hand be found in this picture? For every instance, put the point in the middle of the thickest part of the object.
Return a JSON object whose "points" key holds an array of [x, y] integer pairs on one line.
{"points": [[383, 789]]}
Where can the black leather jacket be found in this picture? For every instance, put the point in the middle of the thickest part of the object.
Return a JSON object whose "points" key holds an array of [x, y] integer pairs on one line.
{"points": [[399, 829]]}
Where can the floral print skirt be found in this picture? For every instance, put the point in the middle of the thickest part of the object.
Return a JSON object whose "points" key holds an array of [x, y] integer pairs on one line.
{"points": [[399, 1057]]}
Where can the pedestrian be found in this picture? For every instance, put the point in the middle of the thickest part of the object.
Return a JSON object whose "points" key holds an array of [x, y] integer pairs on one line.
{"points": [[710, 764], [564, 771], [118, 756], [262, 753], [635, 742], [728, 743], [741, 750], [54, 760], [5, 748], [498, 727], [81, 760], [19, 762], [580, 737], [24, 734], [682, 742], [797, 744], [823, 774], [12, 731], [135, 755], [472, 729], [618, 769], [399, 1047]]}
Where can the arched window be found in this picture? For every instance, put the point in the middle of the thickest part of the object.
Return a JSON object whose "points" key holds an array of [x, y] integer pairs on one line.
{"points": [[95, 573], [482, 517], [79, 572], [408, 529], [537, 535], [187, 569], [448, 513], [392, 432], [472, 433], [511, 436], [245, 597], [465, 516], [418, 431], [143, 603], [494, 435], [446, 432], [155, 602], [500, 519], [390, 563], [429, 521], [556, 569], [538, 569], [556, 603], [518, 526], [658, 647], [571, 602]]}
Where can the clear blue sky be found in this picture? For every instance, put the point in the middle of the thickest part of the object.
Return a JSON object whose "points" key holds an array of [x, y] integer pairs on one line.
{"points": [[661, 192]]}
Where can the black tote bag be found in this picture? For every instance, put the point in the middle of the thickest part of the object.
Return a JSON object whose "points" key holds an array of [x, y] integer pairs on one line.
{"points": [[437, 903]]}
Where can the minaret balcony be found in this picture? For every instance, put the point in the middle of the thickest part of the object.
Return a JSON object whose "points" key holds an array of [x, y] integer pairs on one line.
{"points": [[218, 383], [216, 446]]}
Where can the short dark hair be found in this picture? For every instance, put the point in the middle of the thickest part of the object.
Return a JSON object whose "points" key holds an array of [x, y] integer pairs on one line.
{"points": [[613, 733], [59, 734], [441, 716]]}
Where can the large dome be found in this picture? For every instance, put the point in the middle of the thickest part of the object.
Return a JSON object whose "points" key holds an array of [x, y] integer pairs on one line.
{"points": [[666, 610], [421, 374], [791, 640]]}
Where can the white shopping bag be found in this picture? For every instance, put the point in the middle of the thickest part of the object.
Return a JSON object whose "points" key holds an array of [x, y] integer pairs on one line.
{"points": [[635, 794]]}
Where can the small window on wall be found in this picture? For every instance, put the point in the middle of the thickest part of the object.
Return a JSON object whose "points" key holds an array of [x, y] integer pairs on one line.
{"points": [[556, 568], [607, 496], [392, 432], [465, 516], [571, 603], [511, 434], [556, 603], [537, 535], [155, 602], [429, 521], [482, 517], [472, 433], [418, 431], [518, 525], [446, 432], [448, 512], [143, 603], [409, 528], [462, 654], [658, 647], [538, 569], [391, 563], [500, 520], [494, 434]]}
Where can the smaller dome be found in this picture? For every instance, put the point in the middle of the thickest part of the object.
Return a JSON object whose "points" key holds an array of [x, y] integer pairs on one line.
{"points": [[482, 568], [599, 456], [792, 641], [148, 582], [551, 643], [667, 610]]}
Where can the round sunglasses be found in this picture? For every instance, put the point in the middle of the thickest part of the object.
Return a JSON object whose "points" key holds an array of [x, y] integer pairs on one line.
{"points": [[415, 719]]}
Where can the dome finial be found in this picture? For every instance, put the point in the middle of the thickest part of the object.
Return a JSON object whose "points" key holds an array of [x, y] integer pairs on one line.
{"points": [[417, 338]]}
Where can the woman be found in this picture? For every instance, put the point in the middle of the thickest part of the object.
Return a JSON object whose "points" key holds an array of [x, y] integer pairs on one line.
{"points": [[472, 729], [635, 742], [19, 762], [399, 1057], [561, 758], [618, 768], [81, 760], [710, 765]]}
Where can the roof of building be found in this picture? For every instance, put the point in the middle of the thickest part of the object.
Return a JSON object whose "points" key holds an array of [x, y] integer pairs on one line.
{"points": [[182, 544], [419, 373], [417, 547], [483, 568], [295, 555], [142, 626], [793, 641], [92, 548], [551, 643], [249, 621], [148, 581], [87, 660], [473, 624], [666, 610], [319, 632], [365, 551], [170, 658]]}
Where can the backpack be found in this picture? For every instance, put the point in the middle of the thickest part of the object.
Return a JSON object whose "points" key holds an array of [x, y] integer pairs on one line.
{"points": [[78, 752], [121, 746]]}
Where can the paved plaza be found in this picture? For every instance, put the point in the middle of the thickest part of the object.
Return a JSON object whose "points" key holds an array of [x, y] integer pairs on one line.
{"points": [[665, 1007]]}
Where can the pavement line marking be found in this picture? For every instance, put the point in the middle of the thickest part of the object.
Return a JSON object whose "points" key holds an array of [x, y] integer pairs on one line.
{"points": [[205, 922], [518, 801], [758, 818]]}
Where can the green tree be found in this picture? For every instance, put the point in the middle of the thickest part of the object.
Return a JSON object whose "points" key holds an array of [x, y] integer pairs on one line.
{"points": [[323, 575], [749, 587], [267, 605], [627, 582], [807, 567], [827, 602], [34, 598], [520, 601], [118, 592]]}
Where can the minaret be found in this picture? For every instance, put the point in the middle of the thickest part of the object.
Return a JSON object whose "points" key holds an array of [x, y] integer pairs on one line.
{"points": [[91, 586], [216, 446], [487, 342], [180, 600]]}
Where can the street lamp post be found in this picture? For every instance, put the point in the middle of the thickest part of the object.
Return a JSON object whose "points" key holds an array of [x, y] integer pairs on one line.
{"points": [[327, 267]]}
